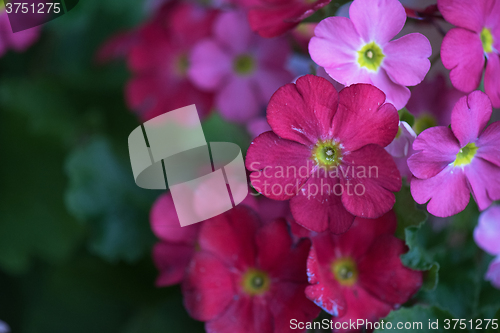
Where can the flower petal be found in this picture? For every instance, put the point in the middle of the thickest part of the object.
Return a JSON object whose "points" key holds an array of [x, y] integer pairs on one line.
{"points": [[488, 144], [484, 180], [396, 94], [448, 192], [303, 111], [377, 20], [362, 118], [335, 43], [470, 116], [171, 260], [232, 31], [208, 287], [382, 273], [438, 148], [465, 13], [370, 194], [318, 206], [493, 273], [492, 79], [462, 53], [209, 65], [279, 167], [406, 60], [276, 254], [487, 231], [229, 237], [239, 100]]}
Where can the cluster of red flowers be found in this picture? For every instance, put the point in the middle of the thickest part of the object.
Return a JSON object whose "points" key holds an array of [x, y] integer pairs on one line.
{"points": [[327, 161]]}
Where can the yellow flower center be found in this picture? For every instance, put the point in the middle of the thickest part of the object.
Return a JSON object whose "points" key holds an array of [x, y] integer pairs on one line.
{"points": [[327, 153], [370, 56], [424, 122], [255, 282], [244, 64], [465, 155], [345, 271], [487, 40]]}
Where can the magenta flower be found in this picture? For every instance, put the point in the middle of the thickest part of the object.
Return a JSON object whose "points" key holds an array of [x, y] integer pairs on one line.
{"points": [[359, 274], [326, 153], [401, 148], [431, 103], [360, 50], [18, 41], [476, 38], [486, 235], [242, 68], [452, 163], [247, 276]]}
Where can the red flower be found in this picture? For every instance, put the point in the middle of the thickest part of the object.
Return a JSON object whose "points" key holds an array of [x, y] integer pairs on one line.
{"points": [[325, 153], [359, 275], [159, 61], [271, 18], [248, 276]]}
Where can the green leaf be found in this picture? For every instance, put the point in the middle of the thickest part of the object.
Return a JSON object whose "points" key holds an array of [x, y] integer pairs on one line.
{"points": [[405, 115], [34, 222], [102, 193], [410, 221], [418, 319], [217, 129]]}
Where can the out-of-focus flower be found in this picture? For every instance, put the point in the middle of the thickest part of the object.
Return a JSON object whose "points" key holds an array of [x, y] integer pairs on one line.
{"points": [[271, 18], [486, 235], [452, 163], [243, 69], [359, 274], [248, 276], [431, 103], [177, 244], [326, 153], [360, 50], [303, 33], [159, 61], [4, 328], [476, 38], [18, 41], [401, 148]]}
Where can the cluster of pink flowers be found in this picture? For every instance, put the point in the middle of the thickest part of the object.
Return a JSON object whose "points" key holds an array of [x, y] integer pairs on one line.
{"points": [[329, 158]]}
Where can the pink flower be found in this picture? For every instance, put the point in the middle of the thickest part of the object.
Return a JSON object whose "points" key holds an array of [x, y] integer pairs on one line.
{"points": [[360, 50], [486, 235], [476, 37], [18, 41], [248, 276], [159, 61], [326, 153], [452, 163], [270, 18], [401, 148], [431, 103], [242, 68], [359, 275]]}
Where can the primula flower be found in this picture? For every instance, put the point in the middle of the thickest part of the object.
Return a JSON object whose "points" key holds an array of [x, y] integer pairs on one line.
{"points": [[401, 148], [326, 153], [486, 235], [475, 40], [431, 103], [452, 163], [248, 276], [159, 61], [359, 275], [18, 41], [360, 50], [271, 18], [242, 68]]}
